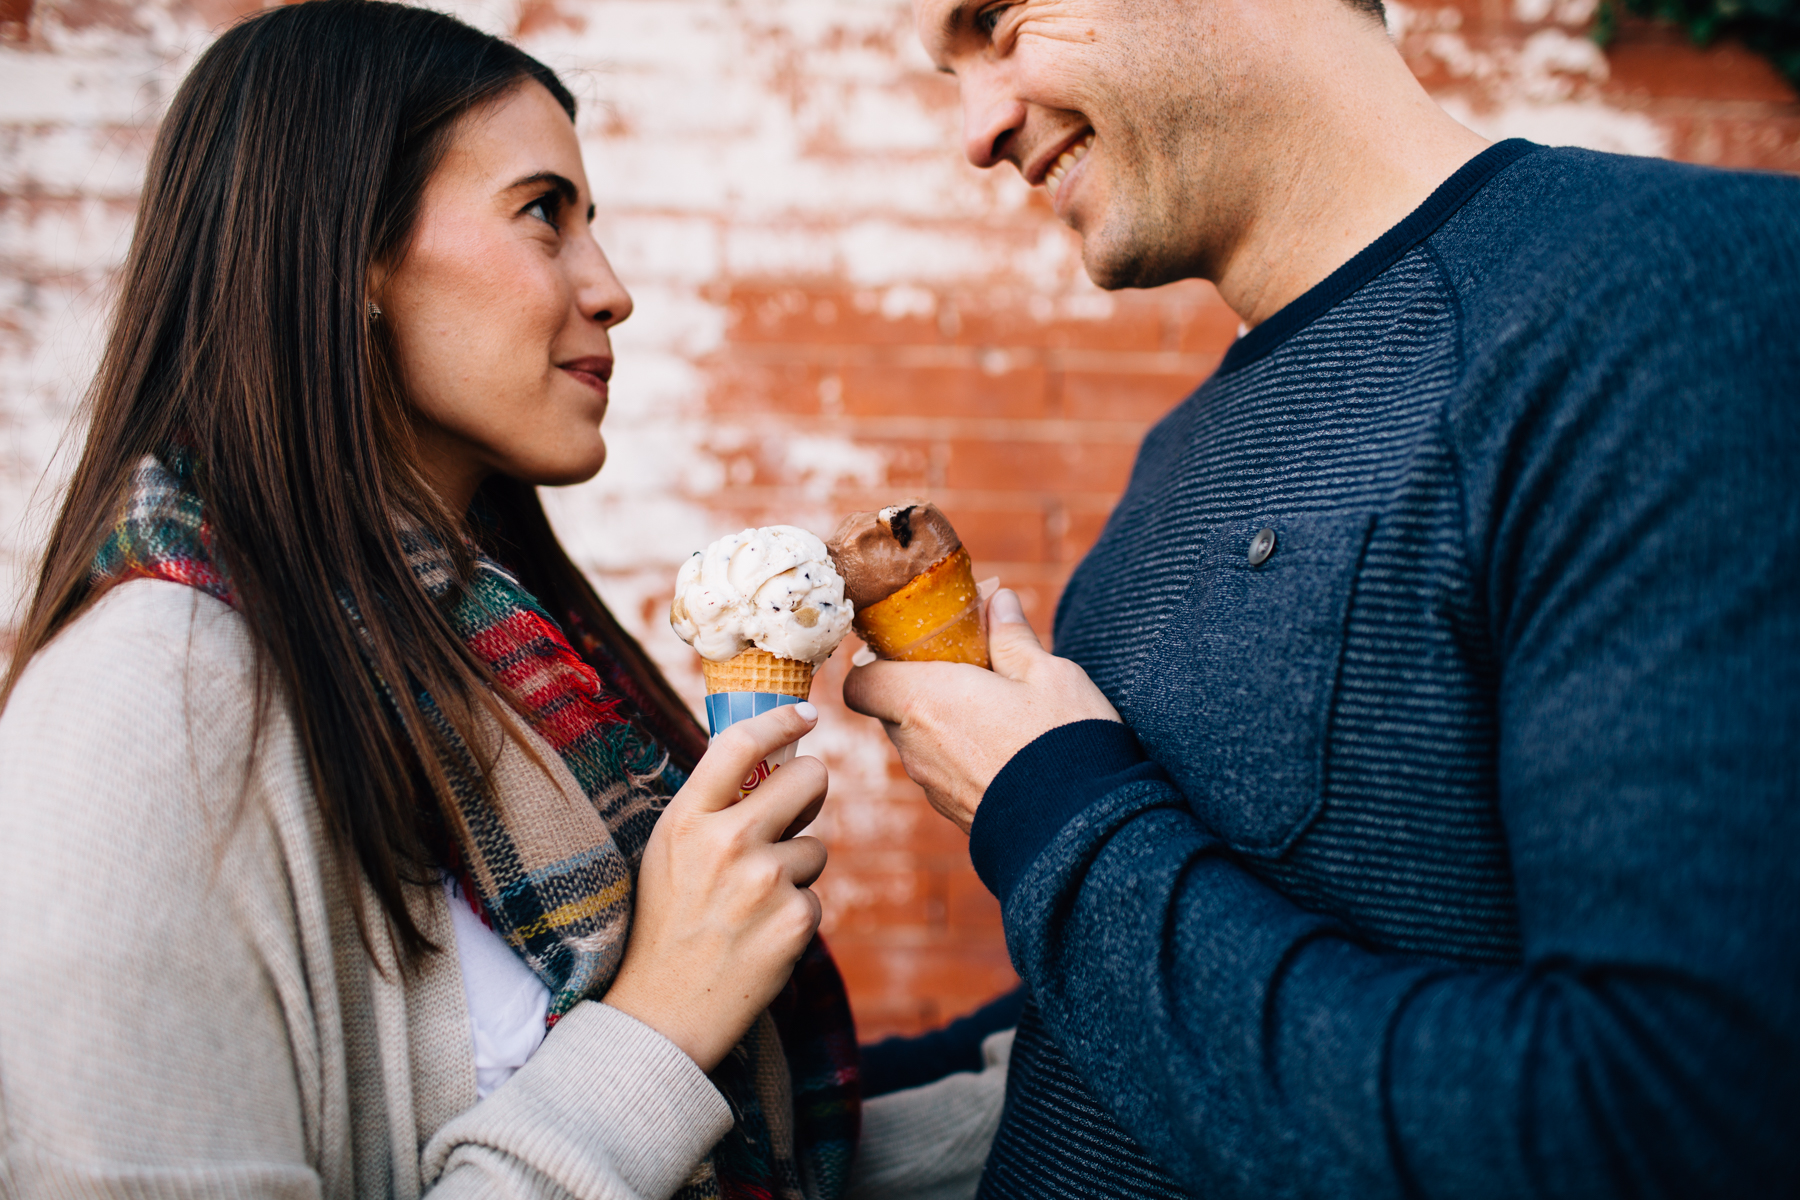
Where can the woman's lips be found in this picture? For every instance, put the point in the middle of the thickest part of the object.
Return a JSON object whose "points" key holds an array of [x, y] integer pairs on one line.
{"points": [[592, 371]]}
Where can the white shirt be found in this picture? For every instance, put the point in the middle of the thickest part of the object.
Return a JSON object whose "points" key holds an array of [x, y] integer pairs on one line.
{"points": [[507, 1003]]}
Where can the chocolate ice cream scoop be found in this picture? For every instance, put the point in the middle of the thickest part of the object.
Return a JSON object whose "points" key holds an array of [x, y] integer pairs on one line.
{"points": [[878, 553]]}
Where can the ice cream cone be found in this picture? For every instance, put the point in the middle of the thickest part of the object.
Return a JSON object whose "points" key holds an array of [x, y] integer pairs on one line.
{"points": [[936, 617], [755, 670]]}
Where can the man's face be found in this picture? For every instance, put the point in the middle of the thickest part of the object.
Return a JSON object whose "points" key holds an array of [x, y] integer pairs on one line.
{"points": [[1126, 111]]}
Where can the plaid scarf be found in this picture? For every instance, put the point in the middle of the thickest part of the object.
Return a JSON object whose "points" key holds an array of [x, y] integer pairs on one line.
{"points": [[556, 881]]}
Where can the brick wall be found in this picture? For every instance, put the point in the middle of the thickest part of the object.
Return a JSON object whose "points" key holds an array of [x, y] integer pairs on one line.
{"points": [[833, 311]]}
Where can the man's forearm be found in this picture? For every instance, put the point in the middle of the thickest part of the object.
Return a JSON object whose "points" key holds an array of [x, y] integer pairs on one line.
{"points": [[1254, 1048]]}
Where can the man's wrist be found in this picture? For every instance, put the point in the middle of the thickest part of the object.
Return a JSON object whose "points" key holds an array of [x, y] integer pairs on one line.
{"points": [[1045, 786]]}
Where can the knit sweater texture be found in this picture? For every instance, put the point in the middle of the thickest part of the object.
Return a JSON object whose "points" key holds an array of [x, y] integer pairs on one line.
{"points": [[1447, 850], [186, 1008]]}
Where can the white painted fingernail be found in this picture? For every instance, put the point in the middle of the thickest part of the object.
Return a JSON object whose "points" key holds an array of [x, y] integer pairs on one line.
{"points": [[807, 711], [862, 658]]}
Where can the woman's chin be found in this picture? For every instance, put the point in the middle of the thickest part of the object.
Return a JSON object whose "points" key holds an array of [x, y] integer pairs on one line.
{"points": [[563, 471]]}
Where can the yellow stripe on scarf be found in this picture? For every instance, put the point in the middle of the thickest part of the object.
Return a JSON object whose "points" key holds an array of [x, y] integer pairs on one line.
{"points": [[575, 910]]}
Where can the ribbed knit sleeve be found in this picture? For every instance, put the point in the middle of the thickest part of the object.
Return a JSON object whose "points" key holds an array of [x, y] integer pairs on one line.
{"points": [[606, 1107], [1045, 786]]}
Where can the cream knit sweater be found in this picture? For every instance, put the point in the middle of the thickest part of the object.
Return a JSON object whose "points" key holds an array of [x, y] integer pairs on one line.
{"points": [[186, 1009]]}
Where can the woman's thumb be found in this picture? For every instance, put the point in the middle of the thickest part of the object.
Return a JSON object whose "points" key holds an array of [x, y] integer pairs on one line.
{"points": [[1012, 644]]}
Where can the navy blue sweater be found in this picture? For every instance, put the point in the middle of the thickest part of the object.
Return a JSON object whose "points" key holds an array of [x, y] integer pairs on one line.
{"points": [[1455, 852]]}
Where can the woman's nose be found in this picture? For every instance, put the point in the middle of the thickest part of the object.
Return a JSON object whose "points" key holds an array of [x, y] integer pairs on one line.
{"points": [[601, 296]]}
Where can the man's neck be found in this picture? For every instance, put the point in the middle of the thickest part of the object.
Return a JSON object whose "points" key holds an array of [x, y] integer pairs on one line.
{"points": [[1375, 147]]}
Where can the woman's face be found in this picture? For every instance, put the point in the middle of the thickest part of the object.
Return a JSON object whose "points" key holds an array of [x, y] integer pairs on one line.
{"points": [[500, 308]]}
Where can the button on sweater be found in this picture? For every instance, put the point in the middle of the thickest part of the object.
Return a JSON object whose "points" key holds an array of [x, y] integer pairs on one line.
{"points": [[1448, 847]]}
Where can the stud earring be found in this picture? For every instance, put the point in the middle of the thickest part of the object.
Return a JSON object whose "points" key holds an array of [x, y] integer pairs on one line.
{"points": [[374, 310]]}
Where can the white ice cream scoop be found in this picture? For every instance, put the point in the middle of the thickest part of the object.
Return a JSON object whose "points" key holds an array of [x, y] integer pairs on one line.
{"points": [[773, 588]]}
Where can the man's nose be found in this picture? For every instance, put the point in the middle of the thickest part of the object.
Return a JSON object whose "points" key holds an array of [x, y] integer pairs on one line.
{"points": [[991, 116]]}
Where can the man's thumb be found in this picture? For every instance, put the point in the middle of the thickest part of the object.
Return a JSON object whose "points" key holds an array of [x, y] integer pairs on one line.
{"points": [[1012, 644]]}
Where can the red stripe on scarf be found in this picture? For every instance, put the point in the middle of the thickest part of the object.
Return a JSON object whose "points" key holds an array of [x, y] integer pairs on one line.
{"points": [[533, 659]]}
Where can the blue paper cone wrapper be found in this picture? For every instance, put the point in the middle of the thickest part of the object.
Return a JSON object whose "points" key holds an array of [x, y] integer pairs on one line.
{"points": [[725, 709]]}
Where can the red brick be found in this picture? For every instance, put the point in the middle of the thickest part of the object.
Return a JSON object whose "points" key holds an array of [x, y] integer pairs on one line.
{"points": [[1015, 535], [866, 892], [735, 386], [1122, 396], [1134, 326], [1083, 531], [971, 908], [1206, 327], [1647, 60], [942, 391], [14, 18], [1767, 144], [827, 315], [912, 466], [1039, 466], [898, 988]]}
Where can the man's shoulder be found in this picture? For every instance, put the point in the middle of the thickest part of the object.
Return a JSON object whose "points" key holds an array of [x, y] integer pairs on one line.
{"points": [[1563, 217]]}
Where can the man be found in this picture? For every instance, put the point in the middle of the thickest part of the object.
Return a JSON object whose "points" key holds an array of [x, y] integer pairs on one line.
{"points": [[1447, 846]]}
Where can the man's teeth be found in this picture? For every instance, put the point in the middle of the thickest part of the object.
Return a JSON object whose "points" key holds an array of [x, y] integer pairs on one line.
{"points": [[1064, 162]]}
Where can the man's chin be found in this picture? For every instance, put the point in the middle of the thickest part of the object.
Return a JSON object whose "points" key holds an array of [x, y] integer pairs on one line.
{"points": [[1113, 267], [1133, 254]]}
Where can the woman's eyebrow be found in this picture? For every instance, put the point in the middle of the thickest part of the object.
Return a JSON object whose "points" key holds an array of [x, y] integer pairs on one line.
{"points": [[564, 187]]}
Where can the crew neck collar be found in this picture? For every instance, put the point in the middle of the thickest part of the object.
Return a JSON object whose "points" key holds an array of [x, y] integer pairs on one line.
{"points": [[1378, 255]]}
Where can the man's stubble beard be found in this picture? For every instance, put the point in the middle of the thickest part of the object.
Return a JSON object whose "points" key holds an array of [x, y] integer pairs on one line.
{"points": [[1166, 210]]}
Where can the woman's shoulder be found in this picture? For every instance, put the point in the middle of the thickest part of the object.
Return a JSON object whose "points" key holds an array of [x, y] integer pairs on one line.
{"points": [[146, 636], [139, 716], [139, 847]]}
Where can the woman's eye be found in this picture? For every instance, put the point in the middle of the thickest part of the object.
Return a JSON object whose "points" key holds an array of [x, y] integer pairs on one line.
{"points": [[544, 209]]}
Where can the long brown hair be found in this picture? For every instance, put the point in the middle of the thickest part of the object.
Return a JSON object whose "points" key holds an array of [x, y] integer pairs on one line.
{"points": [[294, 156]]}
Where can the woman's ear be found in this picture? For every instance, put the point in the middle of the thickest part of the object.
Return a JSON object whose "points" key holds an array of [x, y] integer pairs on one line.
{"points": [[373, 283]]}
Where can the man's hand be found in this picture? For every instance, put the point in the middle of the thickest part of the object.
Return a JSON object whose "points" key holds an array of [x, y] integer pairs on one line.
{"points": [[956, 725]]}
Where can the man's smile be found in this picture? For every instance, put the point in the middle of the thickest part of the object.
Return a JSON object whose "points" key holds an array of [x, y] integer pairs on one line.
{"points": [[1065, 162]]}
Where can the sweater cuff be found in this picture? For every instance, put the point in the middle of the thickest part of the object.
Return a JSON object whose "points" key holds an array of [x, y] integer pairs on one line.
{"points": [[607, 1103], [1045, 786]]}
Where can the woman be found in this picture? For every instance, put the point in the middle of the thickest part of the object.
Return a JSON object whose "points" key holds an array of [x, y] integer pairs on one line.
{"points": [[329, 784]]}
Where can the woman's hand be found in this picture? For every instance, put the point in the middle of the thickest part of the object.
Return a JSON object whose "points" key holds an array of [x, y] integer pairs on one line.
{"points": [[723, 905]]}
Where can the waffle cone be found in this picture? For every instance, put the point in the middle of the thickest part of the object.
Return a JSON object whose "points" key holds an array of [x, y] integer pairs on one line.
{"points": [[934, 618], [758, 671]]}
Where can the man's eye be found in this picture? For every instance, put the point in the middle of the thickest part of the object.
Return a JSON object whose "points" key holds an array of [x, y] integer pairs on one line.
{"points": [[988, 19]]}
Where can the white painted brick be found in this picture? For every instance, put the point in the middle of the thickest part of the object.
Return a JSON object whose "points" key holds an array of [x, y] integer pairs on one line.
{"points": [[64, 237], [781, 139], [1587, 123], [44, 88], [664, 248], [779, 250], [669, 320], [72, 160], [617, 533]]}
